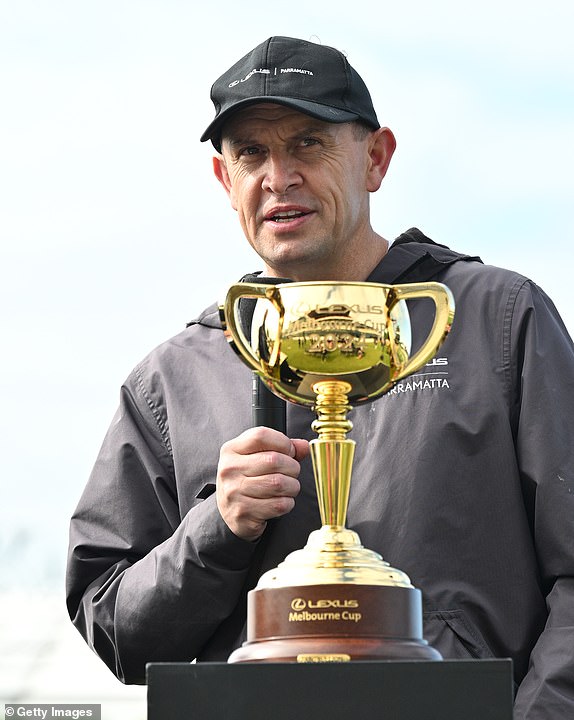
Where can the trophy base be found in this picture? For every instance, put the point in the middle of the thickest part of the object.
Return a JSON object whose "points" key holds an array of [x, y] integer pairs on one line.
{"points": [[334, 623]]}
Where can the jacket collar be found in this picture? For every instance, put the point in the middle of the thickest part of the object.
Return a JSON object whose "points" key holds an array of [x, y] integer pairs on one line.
{"points": [[413, 257]]}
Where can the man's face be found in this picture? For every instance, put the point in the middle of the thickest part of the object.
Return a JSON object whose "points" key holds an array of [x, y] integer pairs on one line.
{"points": [[301, 189]]}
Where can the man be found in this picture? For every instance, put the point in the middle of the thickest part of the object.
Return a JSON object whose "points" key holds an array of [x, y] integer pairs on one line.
{"points": [[465, 474]]}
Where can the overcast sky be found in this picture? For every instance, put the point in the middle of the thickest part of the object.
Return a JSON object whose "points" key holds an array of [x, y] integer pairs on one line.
{"points": [[115, 233]]}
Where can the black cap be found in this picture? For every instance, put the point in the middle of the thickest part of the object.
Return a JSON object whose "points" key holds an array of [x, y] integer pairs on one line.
{"points": [[315, 79]]}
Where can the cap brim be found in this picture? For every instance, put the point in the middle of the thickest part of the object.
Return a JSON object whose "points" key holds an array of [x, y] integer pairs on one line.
{"points": [[316, 110]]}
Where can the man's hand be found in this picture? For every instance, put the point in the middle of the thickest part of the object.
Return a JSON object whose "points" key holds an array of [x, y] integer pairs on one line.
{"points": [[257, 479]]}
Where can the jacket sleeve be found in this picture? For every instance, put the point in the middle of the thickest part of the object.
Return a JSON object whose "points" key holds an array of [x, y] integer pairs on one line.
{"points": [[144, 584], [542, 364]]}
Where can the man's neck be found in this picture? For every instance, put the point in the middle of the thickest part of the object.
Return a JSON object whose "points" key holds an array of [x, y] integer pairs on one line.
{"points": [[354, 269]]}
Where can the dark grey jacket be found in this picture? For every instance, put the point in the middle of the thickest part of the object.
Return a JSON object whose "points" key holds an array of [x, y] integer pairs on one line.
{"points": [[463, 478]]}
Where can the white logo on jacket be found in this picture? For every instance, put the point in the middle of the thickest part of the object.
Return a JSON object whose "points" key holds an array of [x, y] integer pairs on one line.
{"points": [[434, 376]]}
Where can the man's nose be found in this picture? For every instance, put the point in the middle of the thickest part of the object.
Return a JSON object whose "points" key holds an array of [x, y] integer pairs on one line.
{"points": [[281, 174]]}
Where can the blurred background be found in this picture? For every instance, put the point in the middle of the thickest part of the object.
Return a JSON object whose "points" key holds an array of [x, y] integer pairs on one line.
{"points": [[114, 232]]}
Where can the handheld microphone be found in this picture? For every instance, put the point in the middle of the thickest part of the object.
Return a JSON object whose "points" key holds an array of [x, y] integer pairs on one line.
{"points": [[266, 408]]}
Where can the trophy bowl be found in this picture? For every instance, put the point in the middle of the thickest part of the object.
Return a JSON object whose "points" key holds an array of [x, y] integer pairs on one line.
{"points": [[330, 346]]}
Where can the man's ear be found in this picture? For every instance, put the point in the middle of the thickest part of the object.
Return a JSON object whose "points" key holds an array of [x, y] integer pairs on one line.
{"points": [[382, 145], [220, 170]]}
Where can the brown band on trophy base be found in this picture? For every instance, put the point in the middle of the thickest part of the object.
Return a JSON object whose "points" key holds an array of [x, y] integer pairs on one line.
{"points": [[332, 623], [342, 609]]}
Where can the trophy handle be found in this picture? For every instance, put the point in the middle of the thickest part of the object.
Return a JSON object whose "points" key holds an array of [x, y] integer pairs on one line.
{"points": [[444, 306], [234, 331]]}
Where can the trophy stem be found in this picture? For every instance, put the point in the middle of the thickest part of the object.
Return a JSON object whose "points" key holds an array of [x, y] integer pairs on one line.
{"points": [[332, 453]]}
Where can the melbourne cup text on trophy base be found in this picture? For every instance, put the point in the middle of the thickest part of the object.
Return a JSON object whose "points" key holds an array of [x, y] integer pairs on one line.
{"points": [[330, 346]]}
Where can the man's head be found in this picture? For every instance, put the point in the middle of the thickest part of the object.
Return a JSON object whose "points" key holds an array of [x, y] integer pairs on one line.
{"points": [[315, 79], [300, 150]]}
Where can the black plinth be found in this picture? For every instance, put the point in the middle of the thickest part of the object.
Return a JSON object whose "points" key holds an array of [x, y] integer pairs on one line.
{"points": [[386, 690]]}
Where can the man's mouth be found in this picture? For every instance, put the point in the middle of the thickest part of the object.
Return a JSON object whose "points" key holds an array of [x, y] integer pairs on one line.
{"points": [[285, 216]]}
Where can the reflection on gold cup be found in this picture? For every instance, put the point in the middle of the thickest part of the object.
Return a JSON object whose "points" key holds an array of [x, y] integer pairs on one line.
{"points": [[330, 346]]}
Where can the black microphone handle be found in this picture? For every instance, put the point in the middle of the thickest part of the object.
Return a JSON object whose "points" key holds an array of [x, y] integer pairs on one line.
{"points": [[266, 408]]}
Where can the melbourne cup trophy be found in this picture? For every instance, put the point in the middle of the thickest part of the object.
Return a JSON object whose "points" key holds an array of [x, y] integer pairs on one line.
{"points": [[331, 346]]}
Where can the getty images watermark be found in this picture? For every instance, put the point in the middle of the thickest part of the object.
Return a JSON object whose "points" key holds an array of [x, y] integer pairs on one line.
{"points": [[47, 711]]}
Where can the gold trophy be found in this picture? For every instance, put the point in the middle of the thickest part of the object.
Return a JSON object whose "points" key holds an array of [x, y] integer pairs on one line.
{"points": [[330, 346]]}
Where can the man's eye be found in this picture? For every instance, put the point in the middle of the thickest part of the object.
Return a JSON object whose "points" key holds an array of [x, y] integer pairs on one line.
{"points": [[250, 150], [309, 141]]}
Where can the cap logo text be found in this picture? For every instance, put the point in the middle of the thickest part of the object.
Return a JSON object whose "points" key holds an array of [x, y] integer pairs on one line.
{"points": [[296, 70], [267, 71], [263, 71]]}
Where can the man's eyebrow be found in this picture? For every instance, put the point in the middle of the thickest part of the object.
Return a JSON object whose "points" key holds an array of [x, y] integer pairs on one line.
{"points": [[237, 140], [322, 129]]}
